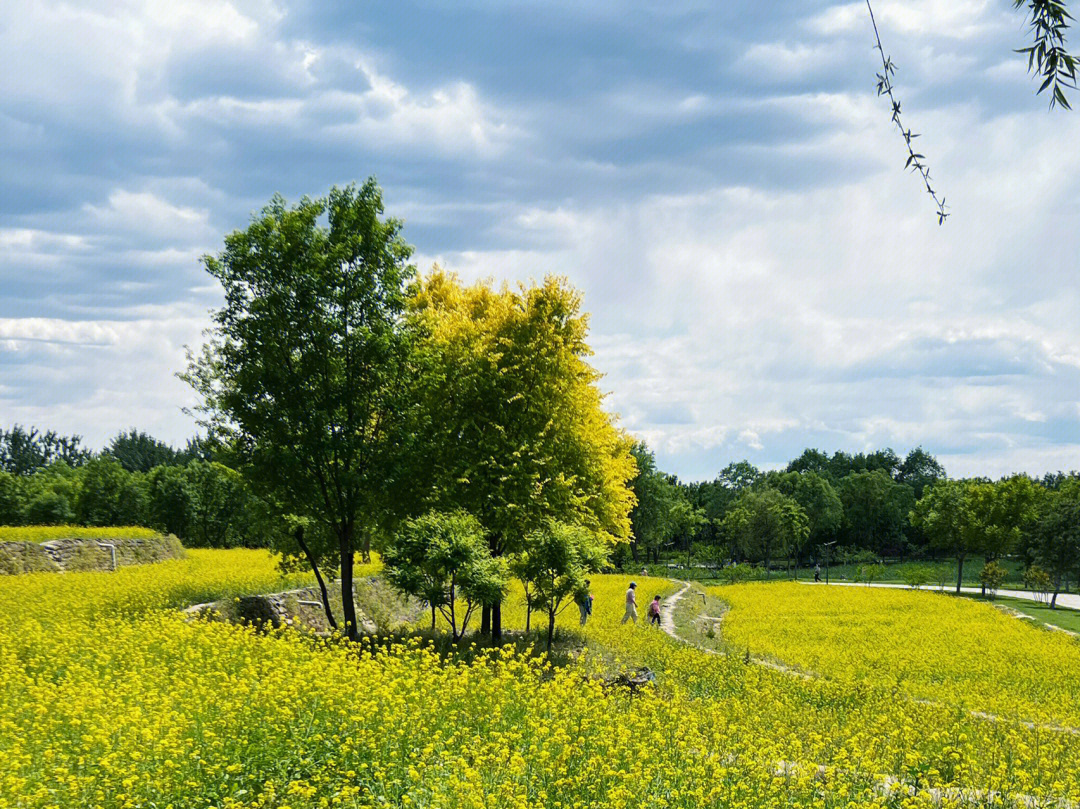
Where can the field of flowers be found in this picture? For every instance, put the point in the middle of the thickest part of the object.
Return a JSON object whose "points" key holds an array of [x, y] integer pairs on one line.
{"points": [[44, 533], [927, 645], [108, 698]]}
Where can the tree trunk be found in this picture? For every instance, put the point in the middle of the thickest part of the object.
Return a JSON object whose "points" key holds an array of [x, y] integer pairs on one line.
{"points": [[496, 623], [551, 629], [528, 618], [485, 620], [348, 606], [318, 577], [959, 573], [433, 618], [1057, 589], [366, 553]]}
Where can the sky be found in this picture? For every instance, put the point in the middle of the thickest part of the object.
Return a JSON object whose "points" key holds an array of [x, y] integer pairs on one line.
{"points": [[719, 179]]}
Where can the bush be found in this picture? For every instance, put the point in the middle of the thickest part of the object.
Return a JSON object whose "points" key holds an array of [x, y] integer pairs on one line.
{"points": [[733, 574], [916, 575], [870, 573], [993, 575], [1039, 582]]}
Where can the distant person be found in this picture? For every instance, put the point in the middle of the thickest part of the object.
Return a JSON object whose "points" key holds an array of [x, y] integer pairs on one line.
{"points": [[654, 611], [817, 572], [631, 604], [585, 600], [644, 571]]}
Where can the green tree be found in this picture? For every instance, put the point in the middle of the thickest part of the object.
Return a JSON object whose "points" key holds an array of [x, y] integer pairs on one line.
{"points": [[553, 566], [50, 495], [110, 495], [444, 559], [11, 505], [23, 452], [946, 516], [817, 497], [140, 452], [875, 509], [919, 470], [1057, 537], [765, 523], [306, 363], [510, 417]]}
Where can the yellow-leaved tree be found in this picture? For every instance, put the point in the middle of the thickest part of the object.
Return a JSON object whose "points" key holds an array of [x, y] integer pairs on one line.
{"points": [[510, 415]]}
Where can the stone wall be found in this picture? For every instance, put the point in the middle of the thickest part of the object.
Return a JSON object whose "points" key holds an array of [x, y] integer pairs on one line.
{"points": [[59, 555], [301, 609]]}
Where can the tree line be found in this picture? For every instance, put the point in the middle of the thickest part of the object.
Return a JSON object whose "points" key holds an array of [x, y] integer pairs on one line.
{"points": [[135, 480], [865, 505]]}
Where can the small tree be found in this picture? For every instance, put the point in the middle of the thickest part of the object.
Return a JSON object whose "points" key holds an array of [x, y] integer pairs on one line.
{"points": [[916, 575], [764, 523], [553, 567], [1039, 582], [992, 576], [444, 559]]}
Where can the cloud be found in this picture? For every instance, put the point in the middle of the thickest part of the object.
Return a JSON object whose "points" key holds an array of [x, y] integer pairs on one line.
{"points": [[720, 180]]}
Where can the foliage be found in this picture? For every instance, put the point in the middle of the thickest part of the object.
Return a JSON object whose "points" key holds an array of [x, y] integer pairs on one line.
{"points": [[444, 559], [303, 373], [45, 533], [509, 414], [944, 514], [1039, 582], [109, 495], [992, 576], [23, 452], [875, 509], [1057, 536], [915, 575], [1047, 57], [734, 574], [553, 567], [871, 573], [764, 524], [137, 451]]}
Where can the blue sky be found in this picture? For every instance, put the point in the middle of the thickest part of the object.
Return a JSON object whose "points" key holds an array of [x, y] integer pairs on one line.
{"points": [[718, 178]]}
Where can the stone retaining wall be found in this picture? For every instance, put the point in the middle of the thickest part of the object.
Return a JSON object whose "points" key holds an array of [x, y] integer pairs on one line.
{"points": [[59, 555], [301, 609]]}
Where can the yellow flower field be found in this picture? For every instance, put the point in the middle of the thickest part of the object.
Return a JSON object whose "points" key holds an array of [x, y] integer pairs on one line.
{"points": [[927, 645], [109, 699]]}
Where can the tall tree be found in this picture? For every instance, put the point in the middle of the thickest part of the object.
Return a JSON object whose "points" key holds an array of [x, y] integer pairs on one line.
{"points": [[304, 369], [919, 470], [1057, 535], [875, 509], [945, 514], [765, 523], [510, 415], [140, 452]]}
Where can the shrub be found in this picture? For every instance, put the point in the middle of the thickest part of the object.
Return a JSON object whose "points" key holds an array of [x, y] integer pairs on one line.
{"points": [[733, 574], [1039, 582], [915, 575], [993, 575], [870, 573]]}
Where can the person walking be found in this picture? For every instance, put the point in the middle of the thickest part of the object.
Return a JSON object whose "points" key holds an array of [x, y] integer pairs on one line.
{"points": [[654, 611], [584, 603], [631, 604], [817, 572]]}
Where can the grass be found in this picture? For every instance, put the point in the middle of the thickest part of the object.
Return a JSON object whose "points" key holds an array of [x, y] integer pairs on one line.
{"points": [[45, 533], [1062, 617]]}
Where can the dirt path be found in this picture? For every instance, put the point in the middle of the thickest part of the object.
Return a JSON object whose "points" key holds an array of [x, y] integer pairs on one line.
{"points": [[667, 611]]}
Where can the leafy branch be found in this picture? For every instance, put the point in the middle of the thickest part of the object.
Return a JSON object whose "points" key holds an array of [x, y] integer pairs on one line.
{"points": [[915, 161], [1047, 57]]}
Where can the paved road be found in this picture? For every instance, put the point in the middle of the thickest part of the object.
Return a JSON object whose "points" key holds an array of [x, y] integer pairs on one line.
{"points": [[1070, 600]]}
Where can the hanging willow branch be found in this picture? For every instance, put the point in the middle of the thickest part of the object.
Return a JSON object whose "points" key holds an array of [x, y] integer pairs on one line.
{"points": [[915, 160], [1047, 57]]}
